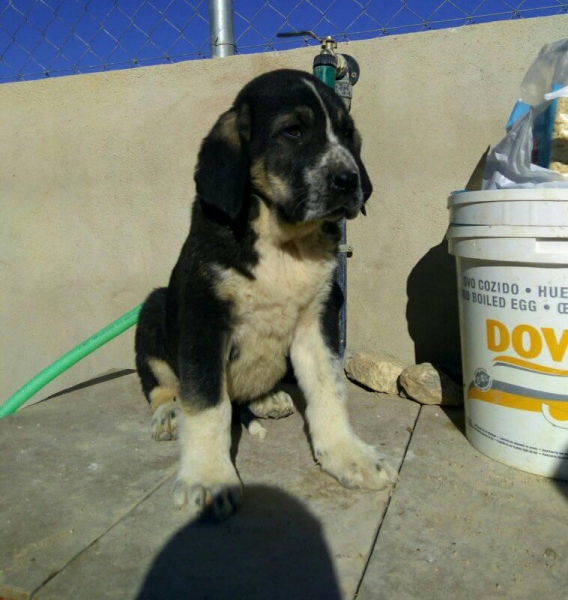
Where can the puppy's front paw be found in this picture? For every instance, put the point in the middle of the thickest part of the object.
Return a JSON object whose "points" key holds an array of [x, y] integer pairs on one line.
{"points": [[165, 422], [218, 497], [356, 465]]}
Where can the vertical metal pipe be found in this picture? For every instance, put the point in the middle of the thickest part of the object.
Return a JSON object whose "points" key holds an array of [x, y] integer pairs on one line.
{"points": [[221, 30]]}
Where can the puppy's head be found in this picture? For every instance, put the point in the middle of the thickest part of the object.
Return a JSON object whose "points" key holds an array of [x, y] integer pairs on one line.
{"points": [[289, 139]]}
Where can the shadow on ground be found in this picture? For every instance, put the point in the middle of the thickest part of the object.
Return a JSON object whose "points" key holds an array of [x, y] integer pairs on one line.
{"points": [[94, 381], [272, 549], [432, 311], [561, 482], [456, 416]]}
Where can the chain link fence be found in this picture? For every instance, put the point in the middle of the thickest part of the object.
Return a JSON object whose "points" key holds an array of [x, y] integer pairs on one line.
{"points": [[46, 38]]}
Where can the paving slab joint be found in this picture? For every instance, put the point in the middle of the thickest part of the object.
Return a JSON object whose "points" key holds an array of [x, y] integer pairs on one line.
{"points": [[384, 514], [81, 552]]}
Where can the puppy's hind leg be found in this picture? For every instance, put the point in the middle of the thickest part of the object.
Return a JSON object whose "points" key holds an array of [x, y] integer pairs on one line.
{"points": [[159, 383], [275, 405], [164, 402], [251, 423], [165, 414]]}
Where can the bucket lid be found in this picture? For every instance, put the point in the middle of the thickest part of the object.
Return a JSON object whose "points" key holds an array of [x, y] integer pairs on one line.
{"points": [[505, 231], [536, 251], [508, 195]]}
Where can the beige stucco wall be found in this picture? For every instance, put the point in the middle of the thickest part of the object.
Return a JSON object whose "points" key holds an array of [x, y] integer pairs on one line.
{"points": [[96, 183]]}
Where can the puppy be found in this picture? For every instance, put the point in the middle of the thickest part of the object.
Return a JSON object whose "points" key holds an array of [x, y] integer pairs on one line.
{"points": [[252, 287]]}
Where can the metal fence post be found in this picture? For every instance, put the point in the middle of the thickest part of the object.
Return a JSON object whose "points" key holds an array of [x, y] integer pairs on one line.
{"points": [[221, 30]]}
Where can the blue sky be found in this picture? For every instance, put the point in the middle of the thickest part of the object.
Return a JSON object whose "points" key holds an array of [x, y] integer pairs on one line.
{"points": [[40, 38]]}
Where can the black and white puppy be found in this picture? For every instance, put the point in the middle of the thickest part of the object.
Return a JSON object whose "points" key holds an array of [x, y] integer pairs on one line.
{"points": [[252, 287]]}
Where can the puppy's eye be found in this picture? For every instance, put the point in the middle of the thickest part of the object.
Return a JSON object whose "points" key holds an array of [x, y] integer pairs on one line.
{"points": [[294, 132], [349, 133]]}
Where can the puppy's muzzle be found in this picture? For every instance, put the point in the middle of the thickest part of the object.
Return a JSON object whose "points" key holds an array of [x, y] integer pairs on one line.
{"points": [[345, 188], [344, 181]]}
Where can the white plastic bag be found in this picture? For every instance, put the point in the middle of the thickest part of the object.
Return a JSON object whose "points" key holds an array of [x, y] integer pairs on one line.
{"points": [[509, 164], [549, 68]]}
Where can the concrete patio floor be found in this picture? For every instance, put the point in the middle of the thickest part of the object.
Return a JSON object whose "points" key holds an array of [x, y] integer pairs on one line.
{"points": [[86, 512]]}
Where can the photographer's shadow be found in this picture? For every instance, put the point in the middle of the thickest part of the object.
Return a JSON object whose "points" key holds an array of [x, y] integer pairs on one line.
{"points": [[272, 548]]}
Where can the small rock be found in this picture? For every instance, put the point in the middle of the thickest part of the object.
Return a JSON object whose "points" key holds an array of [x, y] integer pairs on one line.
{"points": [[374, 372], [426, 385]]}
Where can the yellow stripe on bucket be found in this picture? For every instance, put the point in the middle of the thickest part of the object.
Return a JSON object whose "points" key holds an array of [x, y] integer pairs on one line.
{"points": [[521, 402]]}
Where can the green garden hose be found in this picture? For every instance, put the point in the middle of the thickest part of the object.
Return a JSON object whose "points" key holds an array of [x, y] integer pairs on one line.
{"points": [[68, 360]]}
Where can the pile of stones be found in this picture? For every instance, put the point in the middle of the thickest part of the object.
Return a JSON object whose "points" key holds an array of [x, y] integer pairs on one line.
{"points": [[423, 383]]}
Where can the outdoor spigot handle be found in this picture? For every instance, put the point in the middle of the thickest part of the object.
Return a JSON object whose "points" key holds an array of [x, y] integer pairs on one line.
{"points": [[286, 34]]}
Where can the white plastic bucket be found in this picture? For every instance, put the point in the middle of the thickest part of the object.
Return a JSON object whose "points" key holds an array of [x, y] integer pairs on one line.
{"points": [[513, 301]]}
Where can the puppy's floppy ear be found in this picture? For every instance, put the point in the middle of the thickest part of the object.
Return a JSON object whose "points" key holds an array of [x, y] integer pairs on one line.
{"points": [[222, 171], [366, 185]]}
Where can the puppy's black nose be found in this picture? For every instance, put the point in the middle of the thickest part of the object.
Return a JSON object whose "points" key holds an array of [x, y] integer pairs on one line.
{"points": [[345, 181]]}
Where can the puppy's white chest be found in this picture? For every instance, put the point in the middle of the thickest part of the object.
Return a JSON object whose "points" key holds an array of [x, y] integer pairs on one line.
{"points": [[266, 311]]}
